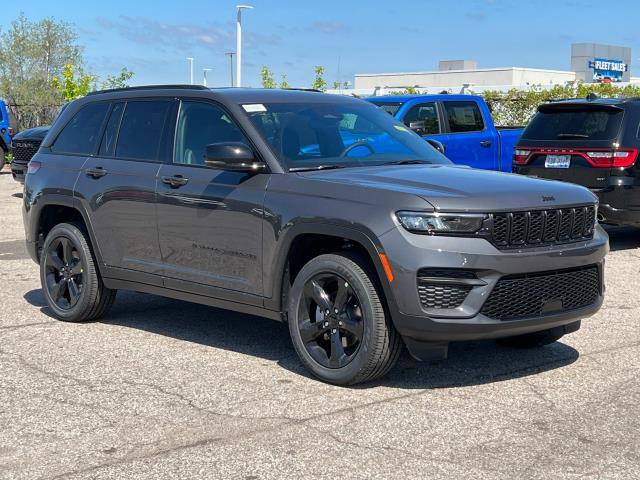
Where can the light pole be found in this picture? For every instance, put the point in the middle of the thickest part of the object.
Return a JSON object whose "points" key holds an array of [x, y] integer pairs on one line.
{"points": [[239, 9], [204, 71], [190, 59], [231, 54]]}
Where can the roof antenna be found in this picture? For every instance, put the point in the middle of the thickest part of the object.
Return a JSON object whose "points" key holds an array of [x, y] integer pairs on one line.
{"points": [[592, 96]]}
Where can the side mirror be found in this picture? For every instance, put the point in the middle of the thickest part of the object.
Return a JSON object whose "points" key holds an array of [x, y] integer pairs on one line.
{"points": [[233, 156], [436, 144], [419, 127]]}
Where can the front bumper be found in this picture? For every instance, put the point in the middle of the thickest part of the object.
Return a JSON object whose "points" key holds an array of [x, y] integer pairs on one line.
{"points": [[619, 205], [18, 171], [409, 253]]}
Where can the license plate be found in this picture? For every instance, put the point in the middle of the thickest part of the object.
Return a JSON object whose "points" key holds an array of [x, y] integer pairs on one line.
{"points": [[557, 161]]}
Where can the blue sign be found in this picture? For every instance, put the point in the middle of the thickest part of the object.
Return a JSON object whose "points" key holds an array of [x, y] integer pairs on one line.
{"points": [[606, 71]]}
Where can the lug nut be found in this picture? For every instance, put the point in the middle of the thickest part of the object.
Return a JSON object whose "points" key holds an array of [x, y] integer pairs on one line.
{"points": [[326, 324]]}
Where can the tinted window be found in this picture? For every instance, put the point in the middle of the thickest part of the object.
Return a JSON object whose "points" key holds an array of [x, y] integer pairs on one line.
{"points": [[141, 129], [426, 113], [574, 125], [463, 116], [81, 134], [201, 124], [108, 145]]}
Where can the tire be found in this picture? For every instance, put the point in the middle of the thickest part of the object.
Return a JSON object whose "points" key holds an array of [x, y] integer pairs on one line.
{"points": [[535, 339], [71, 283], [362, 331]]}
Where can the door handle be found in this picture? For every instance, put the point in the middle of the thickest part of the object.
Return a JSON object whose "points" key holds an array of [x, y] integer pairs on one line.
{"points": [[486, 143], [96, 172], [175, 181]]}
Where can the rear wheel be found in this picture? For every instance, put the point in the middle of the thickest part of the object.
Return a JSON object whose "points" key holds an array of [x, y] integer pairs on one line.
{"points": [[338, 323], [70, 280]]}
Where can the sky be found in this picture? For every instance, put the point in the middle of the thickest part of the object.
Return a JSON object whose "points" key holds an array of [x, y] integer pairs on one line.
{"points": [[153, 38]]}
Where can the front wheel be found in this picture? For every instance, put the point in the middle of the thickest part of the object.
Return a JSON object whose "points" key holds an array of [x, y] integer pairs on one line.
{"points": [[70, 280], [338, 324]]}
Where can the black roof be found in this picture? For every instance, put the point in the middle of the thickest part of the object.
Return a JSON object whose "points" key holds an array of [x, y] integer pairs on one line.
{"points": [[235, 95]]}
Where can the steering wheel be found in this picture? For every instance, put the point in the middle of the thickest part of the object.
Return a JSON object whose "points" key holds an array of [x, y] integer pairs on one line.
{"points": [[360, 143]]}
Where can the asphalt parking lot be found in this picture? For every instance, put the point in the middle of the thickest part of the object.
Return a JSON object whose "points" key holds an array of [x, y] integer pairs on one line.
{"points": [[166, 389]]}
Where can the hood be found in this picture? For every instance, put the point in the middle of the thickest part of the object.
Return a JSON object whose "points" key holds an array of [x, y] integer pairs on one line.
{"points": [[457, 188], [37, 133]]}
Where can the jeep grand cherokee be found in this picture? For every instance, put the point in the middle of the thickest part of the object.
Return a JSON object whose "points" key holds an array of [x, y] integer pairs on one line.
{"points": [[318, 210]]}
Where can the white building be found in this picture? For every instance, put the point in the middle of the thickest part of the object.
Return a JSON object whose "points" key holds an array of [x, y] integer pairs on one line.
{"points": [[590, 62], [470, 78]]}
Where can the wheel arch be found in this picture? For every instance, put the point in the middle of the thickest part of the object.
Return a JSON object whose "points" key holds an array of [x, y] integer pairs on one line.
{"points": [[342, 237], [55, 209]]}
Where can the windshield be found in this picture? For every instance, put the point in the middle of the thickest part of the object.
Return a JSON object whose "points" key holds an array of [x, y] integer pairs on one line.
{"points": [[588, 124], [339, 134], [390, 107]]}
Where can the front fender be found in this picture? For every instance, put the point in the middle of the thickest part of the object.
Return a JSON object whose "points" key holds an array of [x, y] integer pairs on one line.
{"points": [[275, 269]]}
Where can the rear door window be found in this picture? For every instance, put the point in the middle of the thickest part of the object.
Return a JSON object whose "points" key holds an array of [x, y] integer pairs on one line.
{"points": [[141, 129], [585, 124], [80, 136], [108, 145], [463, 116]]}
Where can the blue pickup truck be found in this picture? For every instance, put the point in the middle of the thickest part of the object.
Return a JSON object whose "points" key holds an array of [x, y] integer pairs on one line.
{"points": [[5, 131], [462, 123]]}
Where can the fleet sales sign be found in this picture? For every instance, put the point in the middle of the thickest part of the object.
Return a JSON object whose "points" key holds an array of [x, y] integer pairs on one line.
{"points": [[608, 70]]}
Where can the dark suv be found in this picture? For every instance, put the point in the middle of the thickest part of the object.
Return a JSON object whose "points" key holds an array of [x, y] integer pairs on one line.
{"points": [[318, 210], [592, 142], [25, 146]]}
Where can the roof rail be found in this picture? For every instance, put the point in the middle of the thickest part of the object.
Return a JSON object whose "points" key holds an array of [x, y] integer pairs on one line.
{"points": [[301, 89], [152, 87]]}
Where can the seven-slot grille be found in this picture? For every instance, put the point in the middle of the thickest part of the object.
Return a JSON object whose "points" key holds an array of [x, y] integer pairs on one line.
{"points": [[539, 227], [546, 293], [24, 150]]}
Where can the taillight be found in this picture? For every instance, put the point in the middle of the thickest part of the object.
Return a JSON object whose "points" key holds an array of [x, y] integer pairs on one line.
{"points": [[10, 132], [33, 167], [521, 157], [613, 158]]}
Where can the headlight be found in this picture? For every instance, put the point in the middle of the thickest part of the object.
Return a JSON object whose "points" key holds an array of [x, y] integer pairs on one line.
{"points": [[441, 222]]}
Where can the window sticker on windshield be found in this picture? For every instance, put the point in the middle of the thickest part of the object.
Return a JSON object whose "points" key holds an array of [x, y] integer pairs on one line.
{"points": [[401, 128], [254, 107]]}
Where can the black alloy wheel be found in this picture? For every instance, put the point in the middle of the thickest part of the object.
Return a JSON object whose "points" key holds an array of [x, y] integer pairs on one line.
{"points": [[337, 320], [71, 281], [64, 272], [330, 320]]}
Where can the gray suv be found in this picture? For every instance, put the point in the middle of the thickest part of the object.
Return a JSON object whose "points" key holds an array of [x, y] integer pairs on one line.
{"points": [[317, 210]]}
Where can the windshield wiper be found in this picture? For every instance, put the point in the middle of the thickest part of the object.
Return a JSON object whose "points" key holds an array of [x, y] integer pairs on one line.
{"points": [[317, 167], [572, 135], [408, 162]]}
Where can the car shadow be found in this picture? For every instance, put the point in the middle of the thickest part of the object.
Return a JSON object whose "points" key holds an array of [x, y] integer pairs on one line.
{"points": [[469, 363], [623, 238]]}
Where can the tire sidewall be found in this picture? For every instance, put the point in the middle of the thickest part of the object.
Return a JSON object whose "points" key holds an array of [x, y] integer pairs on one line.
{"points": [[322, 264], [75, 235]]}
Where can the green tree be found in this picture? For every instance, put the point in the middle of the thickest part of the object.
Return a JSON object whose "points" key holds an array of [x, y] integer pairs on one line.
{"points": [[118, 81], [267, 78], [283, 81], [319, 82], [31, 55], [72, 86]]}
